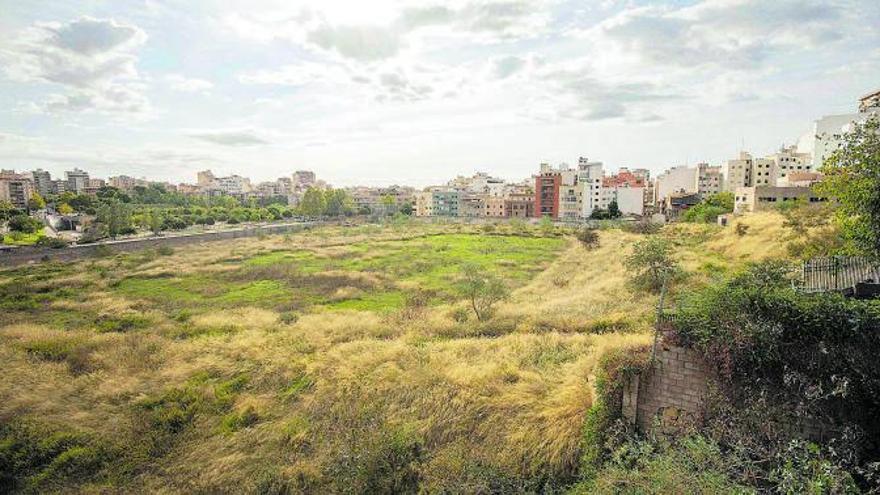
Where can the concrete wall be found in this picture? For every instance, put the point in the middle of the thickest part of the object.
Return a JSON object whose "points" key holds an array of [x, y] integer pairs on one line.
{"points": [[25, 255]]}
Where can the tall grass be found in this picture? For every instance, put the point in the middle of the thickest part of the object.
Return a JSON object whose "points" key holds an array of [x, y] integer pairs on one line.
{"points": [[360, 396]]}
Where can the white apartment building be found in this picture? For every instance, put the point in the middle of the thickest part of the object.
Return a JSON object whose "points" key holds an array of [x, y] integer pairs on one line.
{"points": [[589, 177], [789, 160], [675, 180], [738, 172], [234, 184], [828, 131]]}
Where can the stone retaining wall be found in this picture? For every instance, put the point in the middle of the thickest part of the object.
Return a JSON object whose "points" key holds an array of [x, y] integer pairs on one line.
{"points": [[26, 255], [670, 395]]}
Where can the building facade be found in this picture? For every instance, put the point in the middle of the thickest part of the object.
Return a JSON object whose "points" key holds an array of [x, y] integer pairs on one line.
{"points": [[16, 188], [77, 180]]}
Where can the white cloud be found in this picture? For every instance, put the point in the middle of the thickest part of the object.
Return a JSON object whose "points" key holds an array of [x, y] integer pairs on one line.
{"points": [[185, 84], [91, 57], [229, 137], [738, 34]]}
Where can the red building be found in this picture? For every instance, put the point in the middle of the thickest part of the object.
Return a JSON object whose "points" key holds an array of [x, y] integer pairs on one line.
{"points": [[623, 178], [547, 194]]}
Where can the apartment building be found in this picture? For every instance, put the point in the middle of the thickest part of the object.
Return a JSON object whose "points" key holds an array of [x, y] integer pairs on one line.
{"points": [[471, 205], [789, 160], [446, 203], [589, 177], [16, 188], [424, 203], [547, 184], [675, 180], [233, 184], [494, 206], [571, 198], [519, 205], [93, 186], [710, 180], [43, 182], [77, 180], [827, 133]]}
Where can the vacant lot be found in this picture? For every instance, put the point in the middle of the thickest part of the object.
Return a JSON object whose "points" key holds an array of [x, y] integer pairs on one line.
{"points": [[338, 360]]}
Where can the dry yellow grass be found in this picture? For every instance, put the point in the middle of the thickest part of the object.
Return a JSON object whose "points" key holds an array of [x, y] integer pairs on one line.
{"points": [[322, 387]]}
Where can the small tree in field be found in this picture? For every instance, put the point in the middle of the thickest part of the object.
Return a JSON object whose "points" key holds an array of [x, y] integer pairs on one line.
{"points": [[483, 290], [651, 264]]}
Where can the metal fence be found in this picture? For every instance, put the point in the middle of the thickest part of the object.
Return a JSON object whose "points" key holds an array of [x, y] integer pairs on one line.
{"points": [[837, 273]]}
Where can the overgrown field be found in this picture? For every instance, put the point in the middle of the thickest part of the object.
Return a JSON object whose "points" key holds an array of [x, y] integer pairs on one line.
{"points": [[336, 360]]}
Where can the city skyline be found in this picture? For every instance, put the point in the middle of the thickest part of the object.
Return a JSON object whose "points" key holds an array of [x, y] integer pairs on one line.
{"points": [[416, 93]]}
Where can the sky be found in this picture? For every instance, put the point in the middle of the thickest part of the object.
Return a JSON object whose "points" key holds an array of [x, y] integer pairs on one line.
{"points": [[416, 92]]}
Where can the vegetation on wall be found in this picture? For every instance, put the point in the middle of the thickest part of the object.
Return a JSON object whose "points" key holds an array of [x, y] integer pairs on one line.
{"points": [[709, 209]]}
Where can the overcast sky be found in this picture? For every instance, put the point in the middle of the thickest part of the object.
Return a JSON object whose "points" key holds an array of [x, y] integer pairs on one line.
{"points": [[379, 92]]}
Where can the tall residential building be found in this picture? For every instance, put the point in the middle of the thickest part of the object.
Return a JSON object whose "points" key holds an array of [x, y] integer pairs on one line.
{"points": [[547, 184], [77, 180], [710, 180], [738, 172], [16, 188], [93, 185], [303, 178], [589, 176], [43, 182], [827, 133]]}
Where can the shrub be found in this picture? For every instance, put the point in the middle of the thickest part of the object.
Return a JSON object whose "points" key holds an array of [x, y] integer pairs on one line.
{"points": [[24, 224], [741, 229], [645, 227], [288, 317], [589, 238], [51, 242], [613, 369], [460, 315], [165, 250]]}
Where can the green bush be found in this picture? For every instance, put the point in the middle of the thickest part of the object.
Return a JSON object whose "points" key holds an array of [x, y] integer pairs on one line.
{"points": [[37, 458], [51, 242], [612, 371]]}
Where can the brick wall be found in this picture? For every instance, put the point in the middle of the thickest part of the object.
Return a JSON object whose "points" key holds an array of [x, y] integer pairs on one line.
{"points": [[670, 394]]}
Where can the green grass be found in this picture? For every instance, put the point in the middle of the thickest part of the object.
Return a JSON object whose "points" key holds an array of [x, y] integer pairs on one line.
{"points": [[21, 239], [375, 301]]}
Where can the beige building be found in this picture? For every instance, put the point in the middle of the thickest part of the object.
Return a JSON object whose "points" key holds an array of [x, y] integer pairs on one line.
{"points": [[424, 203], [763, 198], [519, 205], [493, 206], [16, 188], [710, 180]]}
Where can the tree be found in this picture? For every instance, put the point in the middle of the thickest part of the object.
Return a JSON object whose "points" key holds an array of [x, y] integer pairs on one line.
{"points": [[115, 216], [7, 211], [651, 264], [36, 202], [154, 220], [406, 208], [24, 224], [313, 203], [483, 290], [852, 178], [710, 208], [338, 203], [65, 209], [614, 210]]}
